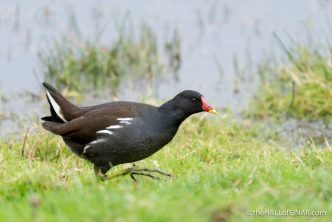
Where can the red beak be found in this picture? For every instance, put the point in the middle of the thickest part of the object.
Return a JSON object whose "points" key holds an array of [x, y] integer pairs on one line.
{"points": [[206, 107]]}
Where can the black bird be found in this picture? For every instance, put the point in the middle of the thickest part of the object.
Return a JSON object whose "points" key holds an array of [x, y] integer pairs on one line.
{"points": [[119, 132]]}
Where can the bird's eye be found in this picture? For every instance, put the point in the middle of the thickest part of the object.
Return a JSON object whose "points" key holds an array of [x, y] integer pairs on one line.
{"points": [[194, 99]]}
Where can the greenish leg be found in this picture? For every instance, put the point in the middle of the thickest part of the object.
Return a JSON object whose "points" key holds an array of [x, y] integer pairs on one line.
{"points": [[99, 174], [132, 172]]}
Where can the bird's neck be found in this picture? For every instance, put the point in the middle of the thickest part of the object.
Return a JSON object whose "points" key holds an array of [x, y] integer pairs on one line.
{"points": [[171, 109]]}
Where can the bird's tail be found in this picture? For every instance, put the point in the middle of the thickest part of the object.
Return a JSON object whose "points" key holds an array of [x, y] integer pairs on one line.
{"points": [[61, 109]]}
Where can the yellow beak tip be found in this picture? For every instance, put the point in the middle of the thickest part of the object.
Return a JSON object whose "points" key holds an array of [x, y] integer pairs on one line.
{"points": [[212, 111]]}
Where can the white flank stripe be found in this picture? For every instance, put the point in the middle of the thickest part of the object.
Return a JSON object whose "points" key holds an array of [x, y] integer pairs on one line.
{"points": [[105, 131], [92, 143], [97, 141], [114, 127], [86, 148], [55, 106], [125, 122], [125, 119]]}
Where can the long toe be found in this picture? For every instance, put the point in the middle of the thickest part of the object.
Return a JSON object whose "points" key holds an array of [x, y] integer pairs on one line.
{"points": [[139, 172], [143, 174], [154, 171]]}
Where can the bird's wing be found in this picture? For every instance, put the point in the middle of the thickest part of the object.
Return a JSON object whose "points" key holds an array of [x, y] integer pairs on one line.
{"points": [[103, 119]]}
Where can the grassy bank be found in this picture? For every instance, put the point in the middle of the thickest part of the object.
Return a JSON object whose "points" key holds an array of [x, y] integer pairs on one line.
{"points": [[299, 86], [221, 170]]}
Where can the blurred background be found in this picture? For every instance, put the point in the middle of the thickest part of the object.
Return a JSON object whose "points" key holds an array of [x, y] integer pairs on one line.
{"points": [[98, 51]]}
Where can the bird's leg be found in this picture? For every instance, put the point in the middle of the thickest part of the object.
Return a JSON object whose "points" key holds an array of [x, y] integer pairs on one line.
{"points": [[99, 174], [138, 172]]}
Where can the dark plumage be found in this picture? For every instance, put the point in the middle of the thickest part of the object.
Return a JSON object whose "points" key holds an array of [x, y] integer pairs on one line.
{"points": [[119, 132]]}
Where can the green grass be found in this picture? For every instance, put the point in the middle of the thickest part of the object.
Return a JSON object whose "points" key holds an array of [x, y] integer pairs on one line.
{"points": [[300, 86], [221, 170], [85, 65]]}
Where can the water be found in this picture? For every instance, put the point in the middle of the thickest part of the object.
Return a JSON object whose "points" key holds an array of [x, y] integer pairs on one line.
{"points": [[213, 35]]}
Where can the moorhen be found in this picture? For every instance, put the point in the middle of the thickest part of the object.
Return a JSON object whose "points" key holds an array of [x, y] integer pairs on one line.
{"points": [[119, 132]]}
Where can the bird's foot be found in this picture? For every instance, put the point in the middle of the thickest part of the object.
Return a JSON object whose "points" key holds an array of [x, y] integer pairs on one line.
{"points": [[132, 172]]}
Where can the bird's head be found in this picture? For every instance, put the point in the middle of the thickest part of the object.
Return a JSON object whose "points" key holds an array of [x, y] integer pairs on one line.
{"points": [[193, 102], [188, 102]]}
